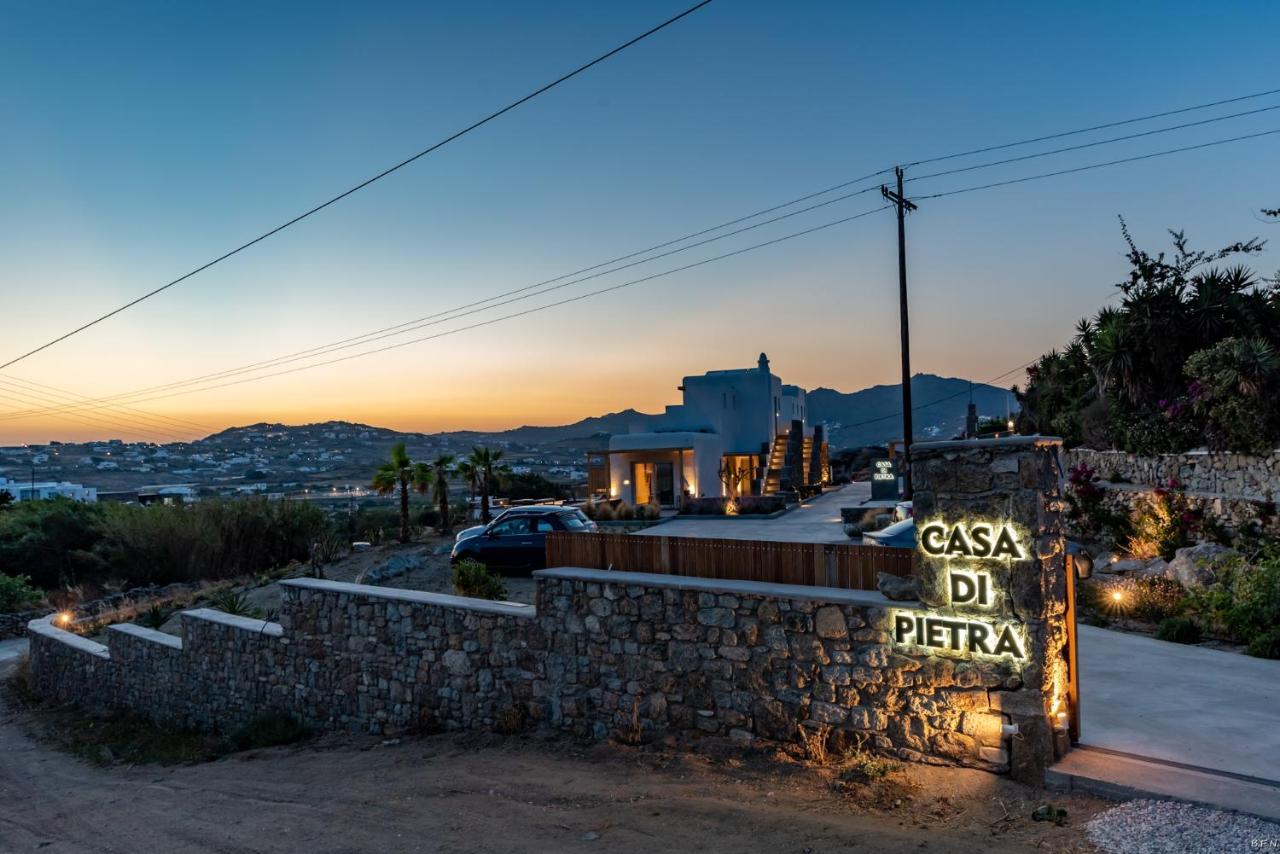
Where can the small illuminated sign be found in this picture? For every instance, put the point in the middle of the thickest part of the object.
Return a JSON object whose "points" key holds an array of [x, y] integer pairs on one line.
{"points": [[884, 480], [957, 634], [976, 540]]}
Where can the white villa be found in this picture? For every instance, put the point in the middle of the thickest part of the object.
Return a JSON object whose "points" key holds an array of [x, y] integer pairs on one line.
{"points": [[738, 432], [25, 490]]}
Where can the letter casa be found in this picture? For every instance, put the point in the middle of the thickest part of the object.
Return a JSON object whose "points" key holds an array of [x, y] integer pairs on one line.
{"points": [[977, 540]]}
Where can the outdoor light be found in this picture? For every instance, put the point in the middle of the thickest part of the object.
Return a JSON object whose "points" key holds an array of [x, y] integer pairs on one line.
{"points": [[1117, 596], [64, 618]]}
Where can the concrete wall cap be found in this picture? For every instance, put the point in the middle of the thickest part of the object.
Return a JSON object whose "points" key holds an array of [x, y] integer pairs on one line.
{"points": [[143, 633], [1036, 441], [248, 624], [45, 627], [835, 595], [416, 597]]}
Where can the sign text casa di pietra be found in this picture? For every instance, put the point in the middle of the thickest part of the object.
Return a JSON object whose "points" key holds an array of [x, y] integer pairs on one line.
{"points": [[966, 546]]}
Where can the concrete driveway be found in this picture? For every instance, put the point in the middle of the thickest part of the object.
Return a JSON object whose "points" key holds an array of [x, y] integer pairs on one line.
{"points": [[818, 521], [1179, 703]]}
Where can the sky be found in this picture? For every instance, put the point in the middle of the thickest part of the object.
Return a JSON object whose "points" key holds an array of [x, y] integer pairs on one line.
{"points": [[144, 139]]}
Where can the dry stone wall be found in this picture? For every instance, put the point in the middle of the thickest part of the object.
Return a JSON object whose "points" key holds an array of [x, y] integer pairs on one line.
{"points": [[636, 656], [603, 655]]}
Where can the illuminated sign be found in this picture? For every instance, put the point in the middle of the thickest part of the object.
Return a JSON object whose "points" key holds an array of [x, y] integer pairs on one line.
{"points": [[884, 480], [957, 634], [970, 588], [978, 540], [883, 470]]}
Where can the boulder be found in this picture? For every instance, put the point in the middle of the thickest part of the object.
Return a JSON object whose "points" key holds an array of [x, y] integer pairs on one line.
{"points": [[1126, 567], [1158, 566], [897, 588], [1196, 566]]}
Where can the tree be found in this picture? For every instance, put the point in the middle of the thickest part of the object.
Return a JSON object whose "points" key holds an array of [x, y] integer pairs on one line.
{"points": [[487, 469], [1122, 380], [465, 470], [402, 473], [441, 468]]}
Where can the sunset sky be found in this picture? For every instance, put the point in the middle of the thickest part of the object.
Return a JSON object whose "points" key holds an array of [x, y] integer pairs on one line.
{"points": [[141, 140]]}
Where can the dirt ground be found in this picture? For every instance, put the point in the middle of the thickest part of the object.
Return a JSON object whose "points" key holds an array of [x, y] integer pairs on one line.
{"points": [[481, 792]]}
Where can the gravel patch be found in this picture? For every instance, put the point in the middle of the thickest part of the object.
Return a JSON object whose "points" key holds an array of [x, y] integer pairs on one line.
{"points": [[1166, 827]]}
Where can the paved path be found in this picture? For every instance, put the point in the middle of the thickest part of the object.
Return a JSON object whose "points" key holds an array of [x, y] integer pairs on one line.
{"points": [[818, 521], [12, 648], [1180, 703]]}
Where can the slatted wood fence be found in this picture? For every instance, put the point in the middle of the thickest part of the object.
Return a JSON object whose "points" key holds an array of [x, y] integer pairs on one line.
{"points": [[821, 564]]}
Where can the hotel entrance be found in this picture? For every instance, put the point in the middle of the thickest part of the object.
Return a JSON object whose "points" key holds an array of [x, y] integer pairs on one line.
{"points": [[653, 483]]}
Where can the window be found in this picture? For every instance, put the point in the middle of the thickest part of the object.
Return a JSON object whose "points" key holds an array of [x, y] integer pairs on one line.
{"points": [[572, 522], [542, 525], [510, 527]]}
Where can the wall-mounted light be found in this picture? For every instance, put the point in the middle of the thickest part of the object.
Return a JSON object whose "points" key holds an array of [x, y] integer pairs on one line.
{"points": [[63, 619]]}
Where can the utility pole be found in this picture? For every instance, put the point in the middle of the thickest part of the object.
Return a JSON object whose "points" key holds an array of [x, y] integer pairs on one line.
{"points": [[903, 205]]}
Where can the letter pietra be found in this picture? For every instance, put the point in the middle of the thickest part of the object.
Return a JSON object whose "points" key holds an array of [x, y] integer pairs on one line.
{"points": [[968, 542]]}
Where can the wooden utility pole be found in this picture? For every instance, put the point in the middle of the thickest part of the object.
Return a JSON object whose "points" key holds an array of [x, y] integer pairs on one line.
{"points": [[903, 204]]}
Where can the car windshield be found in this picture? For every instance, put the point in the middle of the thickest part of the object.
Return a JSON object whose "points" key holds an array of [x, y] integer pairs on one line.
{"points": [[573, 522]]}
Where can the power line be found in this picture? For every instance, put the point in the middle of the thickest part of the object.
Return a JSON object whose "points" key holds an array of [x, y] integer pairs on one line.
{"points": [[1094, 144], [458, 312], [26, 385], [533, 310], [1134, 159], [384, 173], [1092, 128], [454, 314], [98, 421]]}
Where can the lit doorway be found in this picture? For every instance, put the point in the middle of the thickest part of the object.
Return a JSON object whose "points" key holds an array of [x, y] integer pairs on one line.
{"points": [[653, 483]]}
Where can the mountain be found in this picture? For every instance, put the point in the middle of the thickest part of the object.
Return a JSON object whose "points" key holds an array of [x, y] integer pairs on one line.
{"points": [[873, 415]]}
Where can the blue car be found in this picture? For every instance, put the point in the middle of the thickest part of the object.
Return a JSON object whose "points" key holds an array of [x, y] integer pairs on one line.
{"points": [[516, 543]]}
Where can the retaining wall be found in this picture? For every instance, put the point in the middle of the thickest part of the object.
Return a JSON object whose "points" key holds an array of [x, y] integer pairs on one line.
{"points": [[602, 654]]}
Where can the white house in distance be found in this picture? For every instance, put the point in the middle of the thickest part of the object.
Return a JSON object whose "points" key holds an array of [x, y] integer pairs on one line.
{"points": [[738, 432], [25, 490]]}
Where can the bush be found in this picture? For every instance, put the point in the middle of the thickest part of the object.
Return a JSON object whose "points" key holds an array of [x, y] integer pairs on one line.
{"points": [[231, 602], [1243, 602], [16, 593], [472, 578], [1162, 523], [1156, 599], [1265, 645], [1178, 630], [266, 730]]}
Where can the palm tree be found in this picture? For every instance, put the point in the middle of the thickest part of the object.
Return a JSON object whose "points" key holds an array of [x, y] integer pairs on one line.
{"points": [[400, 472], [486, 465], [465, 470], [441, 468]]}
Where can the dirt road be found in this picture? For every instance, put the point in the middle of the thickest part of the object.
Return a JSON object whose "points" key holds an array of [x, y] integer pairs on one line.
{"points": [[489, 793]]}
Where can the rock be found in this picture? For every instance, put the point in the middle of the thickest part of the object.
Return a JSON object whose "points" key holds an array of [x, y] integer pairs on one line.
{"points": [[830, 623], [897, 588], [1196, 566], [1126, 567], [1158, 566]]}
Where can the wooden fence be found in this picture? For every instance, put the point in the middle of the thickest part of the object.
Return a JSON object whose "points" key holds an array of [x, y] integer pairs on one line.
{"points": [[820, 564]]}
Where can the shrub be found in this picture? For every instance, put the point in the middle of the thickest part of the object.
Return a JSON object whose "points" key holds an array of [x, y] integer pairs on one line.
{"points": [[472, 578], [229, 601], [1162, 523], [1156, 599], [271, 729], [154, 617], [16, 592], [648, 512], [1265, 645], [1178, 630], [624, 512]]}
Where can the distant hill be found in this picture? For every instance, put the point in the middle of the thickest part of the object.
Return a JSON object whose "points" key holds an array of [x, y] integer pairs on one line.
{"points": [[873, 415], [867, 417]]}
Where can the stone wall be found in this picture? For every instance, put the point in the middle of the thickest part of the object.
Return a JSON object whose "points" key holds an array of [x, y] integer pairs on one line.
{"points": [[602, 655], [1238, 476], [637, 655], [14, 625], [1237, 490], [1008, 484]]}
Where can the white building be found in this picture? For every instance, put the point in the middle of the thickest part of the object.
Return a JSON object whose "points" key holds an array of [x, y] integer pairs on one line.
{"points": [[738, 432], [26, 490]]}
